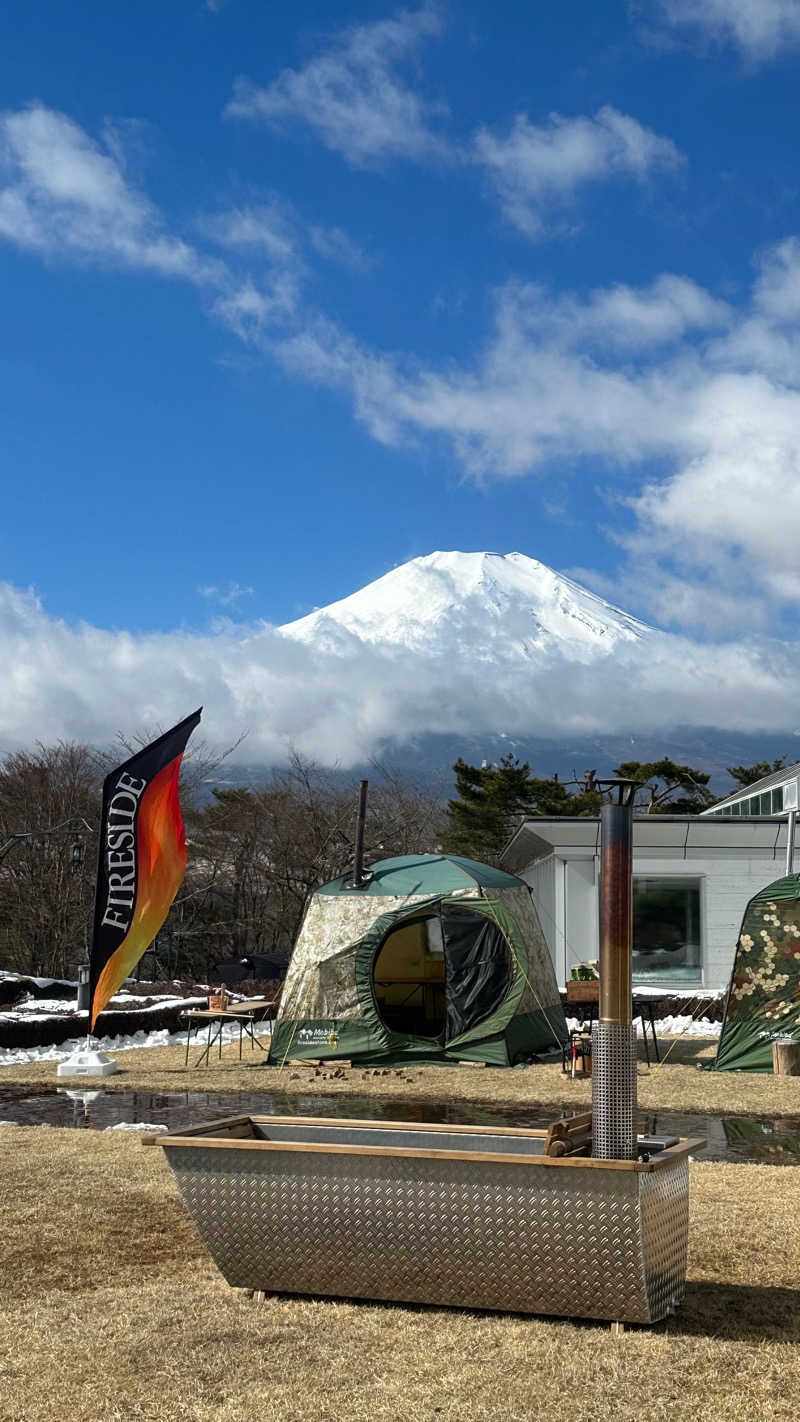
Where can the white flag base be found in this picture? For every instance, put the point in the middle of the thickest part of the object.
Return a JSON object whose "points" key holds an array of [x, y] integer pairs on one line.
{"points": [[87, 1063]]}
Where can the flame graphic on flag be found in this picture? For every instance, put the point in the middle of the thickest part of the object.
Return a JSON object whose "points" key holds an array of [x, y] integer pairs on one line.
{"points": [[156, 852]]}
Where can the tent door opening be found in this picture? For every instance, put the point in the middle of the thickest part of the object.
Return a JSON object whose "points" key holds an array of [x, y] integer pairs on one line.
{"points": [[440, 975], [408, 979]]}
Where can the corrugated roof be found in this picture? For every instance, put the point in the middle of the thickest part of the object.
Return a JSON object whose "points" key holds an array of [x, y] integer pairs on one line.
{"points": [[768, 782], [424, 874]]}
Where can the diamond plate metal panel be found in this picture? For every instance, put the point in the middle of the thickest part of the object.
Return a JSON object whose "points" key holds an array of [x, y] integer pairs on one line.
{"points": [[578, 1243], [665, 1236]]}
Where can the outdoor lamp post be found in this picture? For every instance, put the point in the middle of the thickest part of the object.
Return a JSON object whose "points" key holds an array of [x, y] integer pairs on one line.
{"points": [[82, 1004], [77, 848], [12, 841]]}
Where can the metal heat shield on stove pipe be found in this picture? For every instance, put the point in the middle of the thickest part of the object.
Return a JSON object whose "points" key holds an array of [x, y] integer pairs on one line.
{"points": [[613, 1035]]}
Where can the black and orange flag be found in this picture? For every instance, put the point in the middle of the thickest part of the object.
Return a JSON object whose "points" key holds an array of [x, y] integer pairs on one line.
{"points": [[141, 862]]}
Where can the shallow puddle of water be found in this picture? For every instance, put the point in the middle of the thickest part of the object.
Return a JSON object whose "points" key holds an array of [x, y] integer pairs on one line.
{"points": [[730, 1138]]}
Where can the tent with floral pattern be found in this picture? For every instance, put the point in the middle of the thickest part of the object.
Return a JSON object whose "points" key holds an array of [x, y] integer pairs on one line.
{"points": [[763, 1003]]}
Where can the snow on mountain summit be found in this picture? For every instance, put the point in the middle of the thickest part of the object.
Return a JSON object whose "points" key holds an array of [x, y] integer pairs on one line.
{"points": [[494, 605]]}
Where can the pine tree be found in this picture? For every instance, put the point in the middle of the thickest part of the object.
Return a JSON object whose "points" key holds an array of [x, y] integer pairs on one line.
{"points": [[481, 819], [672, 789], [488, 796], [749, 774]]}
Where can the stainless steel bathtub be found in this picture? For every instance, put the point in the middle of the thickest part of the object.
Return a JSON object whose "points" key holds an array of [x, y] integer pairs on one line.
{"points": [[477, 1217]]}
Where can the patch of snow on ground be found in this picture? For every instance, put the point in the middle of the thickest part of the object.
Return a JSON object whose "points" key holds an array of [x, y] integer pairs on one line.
{"points": [[670, 1026], [136, 1126], [40, 982], [38, 1008], [34, 1007], [18, 1056], [698, 992], [687, 1026]]}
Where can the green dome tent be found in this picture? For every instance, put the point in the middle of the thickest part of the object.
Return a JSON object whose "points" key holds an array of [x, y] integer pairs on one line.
{"points": [[435, 959], [764, 995]]}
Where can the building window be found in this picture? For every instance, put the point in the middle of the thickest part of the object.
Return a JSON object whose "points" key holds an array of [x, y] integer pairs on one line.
{"points": [[666, 930]]}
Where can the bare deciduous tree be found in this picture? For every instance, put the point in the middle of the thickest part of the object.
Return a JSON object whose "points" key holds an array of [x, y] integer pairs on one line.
{"points": [[256, 854], [46, 889], [263, 851]]}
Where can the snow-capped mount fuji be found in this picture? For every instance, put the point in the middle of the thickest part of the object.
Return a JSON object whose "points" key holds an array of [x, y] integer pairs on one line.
{"points": [[484, 654], [506, 607]]}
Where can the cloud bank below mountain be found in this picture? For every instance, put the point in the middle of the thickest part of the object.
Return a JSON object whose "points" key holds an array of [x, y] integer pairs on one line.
{"points": [[342, 704]]}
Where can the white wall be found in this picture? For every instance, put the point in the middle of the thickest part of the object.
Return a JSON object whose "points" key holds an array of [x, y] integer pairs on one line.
{"points": [[564, 889], [727, 886], [541, 877], [581, 912], [565, 895]]}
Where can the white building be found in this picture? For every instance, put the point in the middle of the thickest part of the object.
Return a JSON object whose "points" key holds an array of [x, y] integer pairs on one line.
{"points": [[693, 876]]}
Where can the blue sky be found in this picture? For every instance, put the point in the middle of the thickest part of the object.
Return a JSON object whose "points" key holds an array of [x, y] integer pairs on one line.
{"points": [[293, 294]]}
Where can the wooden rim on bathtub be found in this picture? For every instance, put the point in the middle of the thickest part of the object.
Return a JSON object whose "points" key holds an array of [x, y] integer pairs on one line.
{"points": [[228, 1134]]}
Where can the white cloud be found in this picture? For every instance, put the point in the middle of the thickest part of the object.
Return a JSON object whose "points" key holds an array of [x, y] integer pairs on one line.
{"points": [[661, 377], [253, 310], [760, 29], [335, 245], [65, 196], [62, 195], [673, 597], [777, 291], [353, 95], [276, 229], [620, 317], [86, 683], [736, 504], [228, 596], [664, 375], [529, 398], [269, 227], [538, 168]]}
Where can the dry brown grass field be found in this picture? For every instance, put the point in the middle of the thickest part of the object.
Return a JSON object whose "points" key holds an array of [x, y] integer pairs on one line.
{"points": [[113, 1312], [678, 1084]]}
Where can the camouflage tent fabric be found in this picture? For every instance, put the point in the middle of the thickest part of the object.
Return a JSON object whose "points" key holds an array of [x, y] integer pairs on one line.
{"points": [[763, 1003]]}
